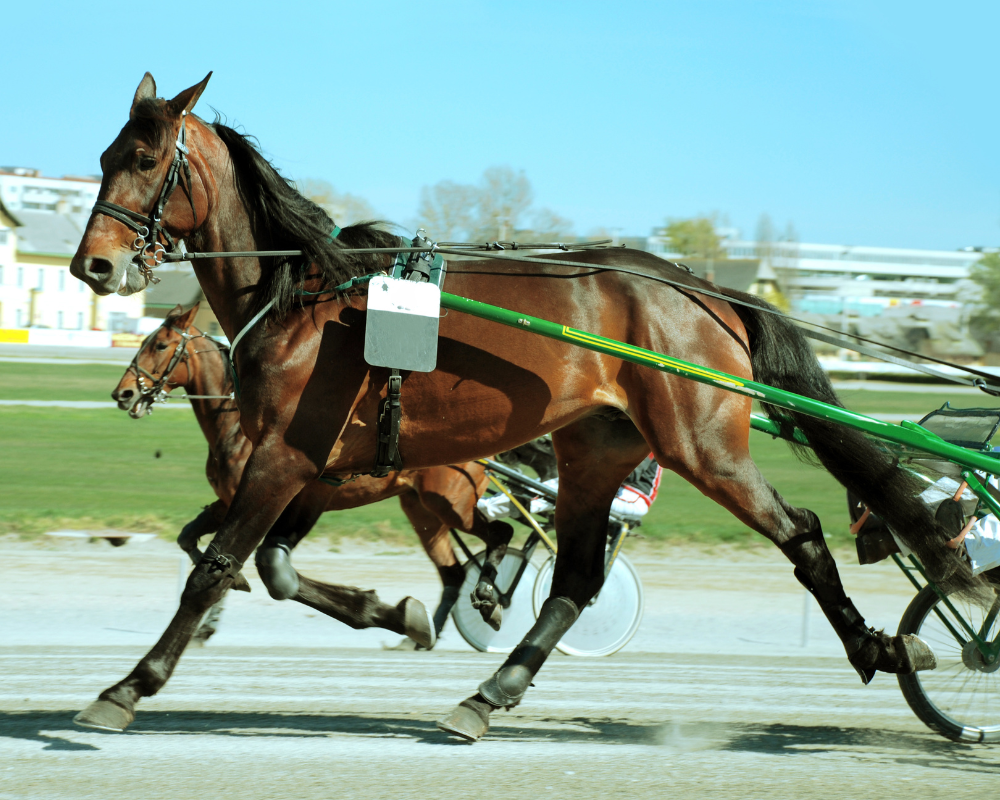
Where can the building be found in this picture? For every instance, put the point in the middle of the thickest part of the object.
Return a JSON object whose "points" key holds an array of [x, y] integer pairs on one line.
{"points": [[24, 189], [36, 288], [915, 299]]}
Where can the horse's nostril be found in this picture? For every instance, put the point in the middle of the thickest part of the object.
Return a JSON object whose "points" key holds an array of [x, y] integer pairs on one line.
{"points": [[124, 394], [100, 266]]}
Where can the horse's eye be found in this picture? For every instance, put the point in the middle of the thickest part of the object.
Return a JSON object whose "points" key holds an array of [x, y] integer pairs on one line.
{"points": [[146, 163], [161, 346]]}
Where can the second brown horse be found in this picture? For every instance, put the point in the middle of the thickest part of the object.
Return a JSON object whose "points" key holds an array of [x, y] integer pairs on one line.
{"points": [[434, 500]]}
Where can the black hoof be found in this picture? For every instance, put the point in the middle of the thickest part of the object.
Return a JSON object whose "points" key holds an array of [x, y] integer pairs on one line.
{"points": [[897, 655], [103, 715], [469, 720], [418, 623]]}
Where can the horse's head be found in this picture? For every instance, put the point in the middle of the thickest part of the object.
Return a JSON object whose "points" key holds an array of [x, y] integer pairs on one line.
{"points": [[138, 216], [162, 363]]}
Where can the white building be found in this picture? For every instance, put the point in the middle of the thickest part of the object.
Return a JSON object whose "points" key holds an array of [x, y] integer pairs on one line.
{"points": [[23, 189], [859, 281], [36, 288]]}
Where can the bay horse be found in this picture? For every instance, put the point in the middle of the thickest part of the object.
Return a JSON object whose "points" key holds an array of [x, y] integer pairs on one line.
{"points": [[435, 500], [310, 402]]}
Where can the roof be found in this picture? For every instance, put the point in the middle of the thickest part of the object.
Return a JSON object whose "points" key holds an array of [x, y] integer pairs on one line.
{"points": [[6, 212], [177, 286], [46, 233]]}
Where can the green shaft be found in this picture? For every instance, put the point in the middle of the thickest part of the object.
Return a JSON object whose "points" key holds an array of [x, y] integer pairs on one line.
{"points": [[908, 434]]}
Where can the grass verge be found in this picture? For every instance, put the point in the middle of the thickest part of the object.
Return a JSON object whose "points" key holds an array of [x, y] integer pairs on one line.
{"points": [[94, 469]]}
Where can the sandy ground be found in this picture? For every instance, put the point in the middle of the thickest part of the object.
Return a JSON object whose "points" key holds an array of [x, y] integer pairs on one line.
{"points": [[719, 693]]}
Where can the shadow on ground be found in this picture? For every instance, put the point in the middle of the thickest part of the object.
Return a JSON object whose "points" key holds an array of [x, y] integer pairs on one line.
{"points": [[56, 730]]}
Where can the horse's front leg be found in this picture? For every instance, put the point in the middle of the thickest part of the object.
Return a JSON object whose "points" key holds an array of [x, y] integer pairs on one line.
{"points": [[263, 493]]}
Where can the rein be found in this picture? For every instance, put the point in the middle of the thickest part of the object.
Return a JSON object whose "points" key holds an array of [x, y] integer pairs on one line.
{"points": [[149, 227], [464, 249]]}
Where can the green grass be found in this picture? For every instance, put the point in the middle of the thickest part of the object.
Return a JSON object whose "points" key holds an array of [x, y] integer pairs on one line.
{"points": [[94, 469], [58, 382], [90, 469], [919, 401]]}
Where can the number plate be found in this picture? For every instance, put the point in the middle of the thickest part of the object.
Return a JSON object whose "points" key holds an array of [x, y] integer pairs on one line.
{"points": [[402, 326]]}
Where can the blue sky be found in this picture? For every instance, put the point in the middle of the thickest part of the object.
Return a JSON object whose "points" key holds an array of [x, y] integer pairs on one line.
{"points": [[869, 123]]}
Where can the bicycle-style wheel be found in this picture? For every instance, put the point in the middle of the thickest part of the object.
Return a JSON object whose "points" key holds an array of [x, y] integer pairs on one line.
{"points": [[517, 617], [960, 699], [612, 618]]}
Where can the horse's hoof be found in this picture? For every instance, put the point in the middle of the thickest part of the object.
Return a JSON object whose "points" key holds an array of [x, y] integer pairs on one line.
{"points": [[470, 720], [418, 623], [918, 653], [103, 715], [240, 584], [494, 617]]}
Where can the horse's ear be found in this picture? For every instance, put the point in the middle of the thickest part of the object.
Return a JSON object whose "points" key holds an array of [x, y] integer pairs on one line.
{"points": [[176, 311], [181, 318], [186, 100], [146, 91]]}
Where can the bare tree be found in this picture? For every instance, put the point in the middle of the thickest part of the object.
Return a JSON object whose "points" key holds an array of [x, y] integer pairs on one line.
{"points": [[497, 209], [448, 210], [504, 197], [547, 224], [765, 236], [344, 208]]}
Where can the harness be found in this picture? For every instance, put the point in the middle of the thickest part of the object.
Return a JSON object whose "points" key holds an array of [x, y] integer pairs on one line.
{"points": [[156, 390], [421, 267], [148, 227]]}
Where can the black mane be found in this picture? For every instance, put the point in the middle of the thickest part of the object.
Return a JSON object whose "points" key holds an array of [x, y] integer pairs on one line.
{"points": [[282, 219]]}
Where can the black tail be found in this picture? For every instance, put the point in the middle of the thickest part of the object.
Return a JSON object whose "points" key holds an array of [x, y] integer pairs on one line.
{"points": [[781, 357]]}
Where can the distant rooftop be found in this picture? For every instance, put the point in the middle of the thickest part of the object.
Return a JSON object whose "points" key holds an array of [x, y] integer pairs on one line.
{"points": [[29, 172], [43, 233]]}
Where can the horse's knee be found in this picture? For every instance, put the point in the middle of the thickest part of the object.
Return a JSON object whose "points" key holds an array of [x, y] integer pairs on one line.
{"points": [[206, 522], [274, 565]]}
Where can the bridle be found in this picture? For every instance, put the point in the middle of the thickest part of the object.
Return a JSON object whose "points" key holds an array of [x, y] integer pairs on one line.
{"points": [[149, 227], [155, 392]]}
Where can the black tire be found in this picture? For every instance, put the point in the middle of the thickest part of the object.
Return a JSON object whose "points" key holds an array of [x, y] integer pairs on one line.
{"points": [[960, 699]]}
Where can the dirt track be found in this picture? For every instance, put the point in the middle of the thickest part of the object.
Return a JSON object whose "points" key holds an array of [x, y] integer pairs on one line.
{"points": [[714, 696]]}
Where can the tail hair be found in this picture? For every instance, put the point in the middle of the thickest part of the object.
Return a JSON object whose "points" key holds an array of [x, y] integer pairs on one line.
{"points": [[781, 357]]}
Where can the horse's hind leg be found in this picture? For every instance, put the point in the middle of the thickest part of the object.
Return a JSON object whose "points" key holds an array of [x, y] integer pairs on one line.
{"points": [[595, 456], [720, 466], [868, 650]]}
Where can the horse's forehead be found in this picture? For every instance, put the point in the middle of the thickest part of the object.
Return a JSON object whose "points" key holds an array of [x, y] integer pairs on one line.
{"points": [[128, 140]]}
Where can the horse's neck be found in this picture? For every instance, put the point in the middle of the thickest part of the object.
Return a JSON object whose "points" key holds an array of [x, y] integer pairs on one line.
{"points": [[228, 283], [215, 416]]}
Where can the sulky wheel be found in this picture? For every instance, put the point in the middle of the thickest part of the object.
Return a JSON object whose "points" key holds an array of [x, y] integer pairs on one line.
{"points": [[612, 618], [517, 617], [961, 698]]}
